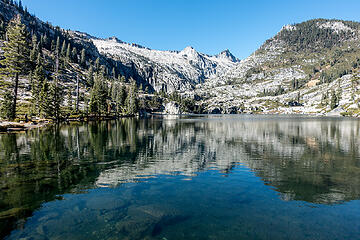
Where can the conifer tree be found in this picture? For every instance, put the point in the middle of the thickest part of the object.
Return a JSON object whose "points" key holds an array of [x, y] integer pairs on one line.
{"points": [[90, 76], [298, 97], [98, 96], [118, 96], [57, 48], [123, 79], [111, 88], [2, 29], [131, 100], [97, 64], [113, 94], [83, 58], [16, 56], [7, 105], [37, 84], [122, 97], [20, 6], [41, 40], [295, 84], [45, 41], [52, 46], [56, 92], [39, 59], [34, 50], [77, 93], [45, 100], [68, 53], [74, 56], [334, 100], [31, 76], [113, 73], [86, 103], [70, 101], [63, 49]]}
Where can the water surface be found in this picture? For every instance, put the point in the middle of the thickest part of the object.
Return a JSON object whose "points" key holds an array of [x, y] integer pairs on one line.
{"points": [[190, 177]]}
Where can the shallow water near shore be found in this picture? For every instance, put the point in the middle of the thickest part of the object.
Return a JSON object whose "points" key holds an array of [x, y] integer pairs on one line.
{"points": [[188, 177]]}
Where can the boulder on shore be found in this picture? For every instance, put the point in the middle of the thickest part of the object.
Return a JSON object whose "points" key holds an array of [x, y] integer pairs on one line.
{"points": [[172, 108]]}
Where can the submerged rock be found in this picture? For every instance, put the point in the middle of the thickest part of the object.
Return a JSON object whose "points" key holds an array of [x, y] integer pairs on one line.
{"points": [[167, 221], [105, 203], [148, 220]]}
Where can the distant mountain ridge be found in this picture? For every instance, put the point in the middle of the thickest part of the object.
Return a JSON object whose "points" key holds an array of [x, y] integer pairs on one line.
{"points": [[167, 70]]}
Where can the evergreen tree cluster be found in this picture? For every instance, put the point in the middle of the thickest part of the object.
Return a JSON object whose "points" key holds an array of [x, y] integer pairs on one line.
{"points": [[308, 36], [48, 62]]}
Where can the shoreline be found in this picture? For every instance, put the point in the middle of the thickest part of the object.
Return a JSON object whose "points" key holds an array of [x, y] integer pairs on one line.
{"points": [[9, 127], [13, 127], [20, 126]]}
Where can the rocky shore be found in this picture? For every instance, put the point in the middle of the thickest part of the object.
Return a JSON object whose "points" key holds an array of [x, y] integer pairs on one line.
{"points": [[22, 126]]}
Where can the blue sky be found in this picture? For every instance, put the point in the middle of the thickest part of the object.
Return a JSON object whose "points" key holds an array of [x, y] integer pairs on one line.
{"points": [[209, 26]]}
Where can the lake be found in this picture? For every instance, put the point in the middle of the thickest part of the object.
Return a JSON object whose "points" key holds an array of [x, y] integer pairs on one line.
{"points": [[189, 177]]}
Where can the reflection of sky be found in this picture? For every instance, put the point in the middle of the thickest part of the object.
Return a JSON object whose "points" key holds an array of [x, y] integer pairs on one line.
{"points": [[207, 205]]}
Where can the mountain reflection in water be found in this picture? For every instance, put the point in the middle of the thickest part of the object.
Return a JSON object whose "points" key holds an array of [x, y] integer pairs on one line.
{"points": [[310, 159]]}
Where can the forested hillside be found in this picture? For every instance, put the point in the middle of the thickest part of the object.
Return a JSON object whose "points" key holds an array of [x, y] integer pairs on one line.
{"points": [[310, 67], [48, 72]]}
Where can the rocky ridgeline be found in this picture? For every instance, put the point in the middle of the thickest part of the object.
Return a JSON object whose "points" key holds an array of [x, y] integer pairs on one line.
{"points": [[167, 70]]}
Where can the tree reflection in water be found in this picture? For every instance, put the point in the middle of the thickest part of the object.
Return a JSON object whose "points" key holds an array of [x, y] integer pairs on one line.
{"points": [[316, 160]]}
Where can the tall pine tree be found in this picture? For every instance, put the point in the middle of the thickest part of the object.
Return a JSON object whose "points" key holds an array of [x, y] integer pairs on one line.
{"points": [[16, 57], [34, 51], [98, 95], [90, 76], [56, 98], [132, 100], [83, 58], [37, 84], [63, 49], [68, 53], [45, 105], [57, 47], [74, 56]]}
